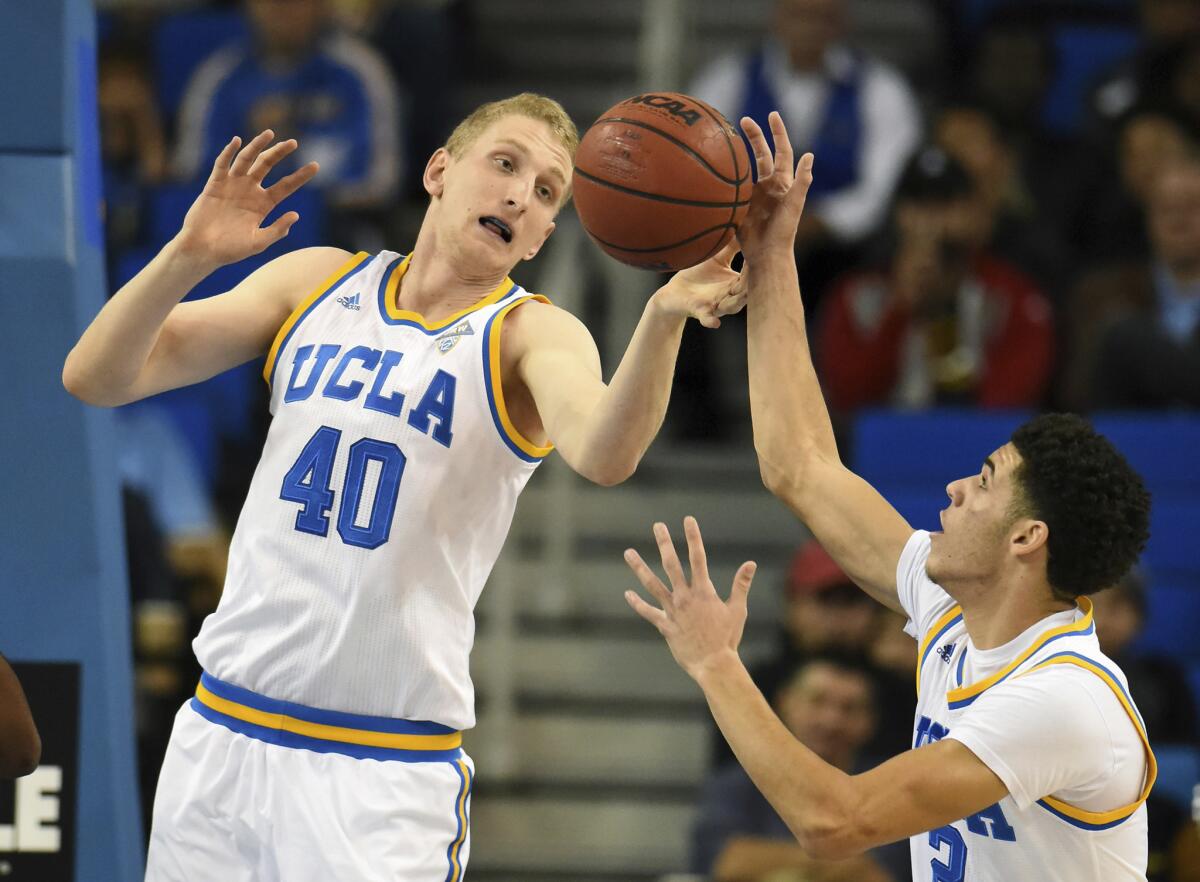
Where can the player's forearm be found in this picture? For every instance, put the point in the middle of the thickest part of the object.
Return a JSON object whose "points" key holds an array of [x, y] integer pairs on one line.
{"points": [[107, 360], [629, 414], [20, 745], [787, 408], [815, 800]]}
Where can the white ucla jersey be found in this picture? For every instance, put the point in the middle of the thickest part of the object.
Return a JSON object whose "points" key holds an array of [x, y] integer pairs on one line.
{"points": [[382, 499], [1052, 717]]}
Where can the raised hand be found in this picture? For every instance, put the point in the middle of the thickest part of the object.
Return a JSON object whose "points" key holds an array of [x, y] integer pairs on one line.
{"points": [[224, 224], [777, 201], [706, 291], [698, 625]]}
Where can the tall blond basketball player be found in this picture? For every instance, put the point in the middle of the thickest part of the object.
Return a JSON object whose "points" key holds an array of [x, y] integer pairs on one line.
{"points": [[1029, 760], [412, 398]]}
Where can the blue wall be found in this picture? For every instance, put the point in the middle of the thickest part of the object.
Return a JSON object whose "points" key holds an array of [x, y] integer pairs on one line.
{"points": [[62, 561]]}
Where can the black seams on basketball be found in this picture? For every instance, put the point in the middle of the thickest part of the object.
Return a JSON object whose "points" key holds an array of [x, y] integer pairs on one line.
{"points": [[661, 181]]}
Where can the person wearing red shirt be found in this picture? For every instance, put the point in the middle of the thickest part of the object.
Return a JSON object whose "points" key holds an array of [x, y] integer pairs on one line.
{"points": [[945, 322]]}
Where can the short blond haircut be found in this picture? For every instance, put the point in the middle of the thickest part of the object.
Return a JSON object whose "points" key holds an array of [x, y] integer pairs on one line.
{"points": [[528, 104]]}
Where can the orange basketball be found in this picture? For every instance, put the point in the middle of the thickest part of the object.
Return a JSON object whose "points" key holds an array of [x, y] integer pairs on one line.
{"points": [[661, 181]]}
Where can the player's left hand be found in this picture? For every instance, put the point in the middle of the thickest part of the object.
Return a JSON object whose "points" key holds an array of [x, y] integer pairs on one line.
{"points": [[700, 627], [705, 291]]}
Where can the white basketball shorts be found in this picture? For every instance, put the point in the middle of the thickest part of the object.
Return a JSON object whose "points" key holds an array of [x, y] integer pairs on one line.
{"points": [[257, 789]]}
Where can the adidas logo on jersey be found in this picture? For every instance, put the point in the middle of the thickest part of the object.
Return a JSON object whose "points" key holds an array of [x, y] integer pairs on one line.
{"points": [[946, 651], [350, 302], [448, 340]]}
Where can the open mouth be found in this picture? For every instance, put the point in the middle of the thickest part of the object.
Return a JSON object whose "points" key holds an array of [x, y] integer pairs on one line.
{"points": [[497, 226]]}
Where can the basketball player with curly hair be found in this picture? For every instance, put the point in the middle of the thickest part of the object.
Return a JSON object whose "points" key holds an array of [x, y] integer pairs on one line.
{"points": [[1029, 759]]}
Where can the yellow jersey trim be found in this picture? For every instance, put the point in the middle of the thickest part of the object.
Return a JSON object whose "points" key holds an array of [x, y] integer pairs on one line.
{"points": [[497, 385], [965, 693], [939, 627], [304, 305], [395, 313], [325, 732], [1117, 814]]}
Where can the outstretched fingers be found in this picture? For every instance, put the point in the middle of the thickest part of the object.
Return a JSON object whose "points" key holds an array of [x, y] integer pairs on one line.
{"points": [[758, 146], [783, 146], [280, 228], [741, 583], [696, 556], [220, 167], [285, 187], [670, 560], [269, 158], [649, 580], [247, 155], [804, 179]]}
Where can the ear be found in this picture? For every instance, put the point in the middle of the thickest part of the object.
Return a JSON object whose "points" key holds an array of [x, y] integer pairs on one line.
{"points": [[538, 247], [1029, 536], [435, 172]]}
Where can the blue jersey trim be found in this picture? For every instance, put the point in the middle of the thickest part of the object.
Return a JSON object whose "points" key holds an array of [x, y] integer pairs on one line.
{"points": [[325, 717], [1091, 629], [442, 326], [1082, 825], [1116, 681], [307, 310], [283, 738], [463, 823], [488, 385], [933, 641]]}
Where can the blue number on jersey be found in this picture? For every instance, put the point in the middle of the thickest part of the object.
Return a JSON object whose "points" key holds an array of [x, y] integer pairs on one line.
{"points": [[955, 868], [379, 525], [308, 480]]}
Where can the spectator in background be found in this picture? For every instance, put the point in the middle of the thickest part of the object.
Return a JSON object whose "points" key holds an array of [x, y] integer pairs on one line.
{"points": [[827, 702], [825, 612], [1136, 326], [1166, 25], [133, 147], [1023, 233], [1010, 71], [1158, 684], [303, 79], [856, 114], [1145, 140], [945, 321]]}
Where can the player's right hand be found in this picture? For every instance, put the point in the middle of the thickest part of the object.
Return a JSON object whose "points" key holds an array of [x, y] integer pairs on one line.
{"points": [[224, 225], [777, 200]]}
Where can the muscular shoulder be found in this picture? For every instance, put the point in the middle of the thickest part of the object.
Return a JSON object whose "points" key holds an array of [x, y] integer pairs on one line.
{"points": [[291, 277], [535, 328], [537, 325]]}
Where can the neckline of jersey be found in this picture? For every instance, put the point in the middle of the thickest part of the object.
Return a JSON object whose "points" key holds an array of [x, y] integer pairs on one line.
{"points": [[392, 313], [1024, 646]]}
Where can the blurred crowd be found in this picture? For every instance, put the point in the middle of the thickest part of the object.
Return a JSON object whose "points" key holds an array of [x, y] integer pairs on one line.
{"points": [[1009, 217]]}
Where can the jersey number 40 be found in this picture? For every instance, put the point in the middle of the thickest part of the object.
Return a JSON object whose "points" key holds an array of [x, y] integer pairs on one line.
{"points": [[308, 483]]}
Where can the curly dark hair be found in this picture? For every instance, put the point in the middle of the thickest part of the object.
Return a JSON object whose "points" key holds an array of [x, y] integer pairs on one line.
{"points": [[1092, 500]]}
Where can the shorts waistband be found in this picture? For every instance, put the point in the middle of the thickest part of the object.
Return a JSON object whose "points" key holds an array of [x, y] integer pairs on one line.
{"points": [[287, 724]]}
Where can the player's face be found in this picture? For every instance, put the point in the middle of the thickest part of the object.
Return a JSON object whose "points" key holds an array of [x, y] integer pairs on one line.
{"points": [[829, 710], [497, 202], [973, 542]]}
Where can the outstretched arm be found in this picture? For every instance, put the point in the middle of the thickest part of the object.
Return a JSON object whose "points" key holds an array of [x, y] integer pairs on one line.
{"points": [[603, 431], [831, 813], [793, 435], [145, 341], [20, 745]]}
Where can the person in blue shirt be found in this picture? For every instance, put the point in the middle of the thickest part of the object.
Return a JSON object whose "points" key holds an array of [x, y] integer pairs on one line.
{"points": [[302, 78]]}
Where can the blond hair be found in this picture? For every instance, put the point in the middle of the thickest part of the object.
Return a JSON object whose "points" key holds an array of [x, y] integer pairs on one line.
{"points": [[528, 104]]}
